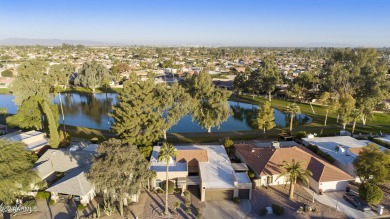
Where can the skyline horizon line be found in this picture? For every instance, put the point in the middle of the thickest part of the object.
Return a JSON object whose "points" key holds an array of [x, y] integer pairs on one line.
{"points": [[20, 41]]}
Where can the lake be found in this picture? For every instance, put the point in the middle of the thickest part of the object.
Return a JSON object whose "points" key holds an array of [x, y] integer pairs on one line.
{"points": [[91, 111]]}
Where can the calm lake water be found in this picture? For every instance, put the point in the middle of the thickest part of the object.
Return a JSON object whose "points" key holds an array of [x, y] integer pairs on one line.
{"points": [[91, 111]]}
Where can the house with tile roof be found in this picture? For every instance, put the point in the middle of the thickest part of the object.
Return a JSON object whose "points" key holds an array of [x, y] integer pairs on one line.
{"points": [[264, 162], [205, 168]]}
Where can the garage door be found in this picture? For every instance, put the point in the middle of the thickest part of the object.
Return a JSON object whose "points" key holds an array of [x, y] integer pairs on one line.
{"points": [[218, 194], [244, 193]]}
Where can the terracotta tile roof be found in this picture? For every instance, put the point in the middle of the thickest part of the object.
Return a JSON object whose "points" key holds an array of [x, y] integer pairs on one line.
{"points": [[192, 157], [265, 161], [355, 150]]}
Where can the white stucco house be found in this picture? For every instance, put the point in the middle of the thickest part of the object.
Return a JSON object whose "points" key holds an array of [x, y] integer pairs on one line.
{"points": [[204, 167], [264, 161], [344, 149]]}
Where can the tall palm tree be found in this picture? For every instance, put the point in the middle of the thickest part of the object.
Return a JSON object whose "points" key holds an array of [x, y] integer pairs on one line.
{"points": [[292, 109], [294, 171], [166, 152]]}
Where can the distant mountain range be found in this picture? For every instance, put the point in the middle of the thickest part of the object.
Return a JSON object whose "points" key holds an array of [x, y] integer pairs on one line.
{"points": [[53, 42]]}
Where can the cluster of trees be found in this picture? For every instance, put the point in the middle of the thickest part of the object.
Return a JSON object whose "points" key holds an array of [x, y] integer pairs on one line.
{"points": [[33, 90], [262, 80], [351, 84], [145, 111], [373, 168], [355, 80]]}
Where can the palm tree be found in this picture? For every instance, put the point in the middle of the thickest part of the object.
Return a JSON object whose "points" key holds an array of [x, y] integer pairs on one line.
{"points": [[293, 172], [292, 109], [166, 152]]}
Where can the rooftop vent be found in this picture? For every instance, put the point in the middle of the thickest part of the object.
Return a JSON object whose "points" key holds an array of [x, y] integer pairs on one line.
{"points": [[275, 145]]}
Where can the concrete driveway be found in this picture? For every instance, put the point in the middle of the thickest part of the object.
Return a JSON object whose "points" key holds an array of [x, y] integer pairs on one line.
{"points": [[226, 209], [346, 207]]}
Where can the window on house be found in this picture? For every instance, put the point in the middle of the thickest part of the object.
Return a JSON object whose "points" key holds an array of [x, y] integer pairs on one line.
{"points": [[158, 183]]}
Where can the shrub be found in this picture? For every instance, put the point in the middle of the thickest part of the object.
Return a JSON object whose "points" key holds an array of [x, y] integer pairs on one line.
{"points": [[251, 174], [42, 195], [381, 142], [277, 209], [199, 215], [7, 73], [263, 212], [52, 202], [371, 193], [187, 194], [159, 190], [30, 203], [301, 134], [187, 203], [171, 186], [3, 111], [188, 210], [176, 205], [236, 200], [80, 207], [94, 140]]}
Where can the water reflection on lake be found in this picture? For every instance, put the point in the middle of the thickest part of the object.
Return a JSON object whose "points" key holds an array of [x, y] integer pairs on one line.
{"points": [[91, 110]]}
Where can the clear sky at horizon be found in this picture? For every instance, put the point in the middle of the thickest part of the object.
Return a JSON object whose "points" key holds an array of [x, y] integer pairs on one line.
{"points": [[212, 22]]}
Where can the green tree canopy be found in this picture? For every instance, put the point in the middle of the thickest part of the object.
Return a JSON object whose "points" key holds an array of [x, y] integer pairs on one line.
{"points": [[210, 104], [16, 173], [32, 80], [120, 169], [137, 118], [373, 165], [371, 193], [265, 117], [175, 103], [91, 75], [60, 74], [7, 73]]}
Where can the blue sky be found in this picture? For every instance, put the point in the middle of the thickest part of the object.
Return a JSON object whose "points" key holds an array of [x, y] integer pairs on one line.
{"points": [[212, 22]]}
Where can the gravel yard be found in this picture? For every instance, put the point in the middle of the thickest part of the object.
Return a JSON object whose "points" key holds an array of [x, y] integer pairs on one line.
{"points": [[263, 197], [154, 206]]}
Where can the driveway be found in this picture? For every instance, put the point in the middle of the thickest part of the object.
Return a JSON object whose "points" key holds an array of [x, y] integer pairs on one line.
{"points": [[226, 209], [346, 207]]}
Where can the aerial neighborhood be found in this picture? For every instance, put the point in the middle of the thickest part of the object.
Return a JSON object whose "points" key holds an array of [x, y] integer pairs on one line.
{"points": [[194, 109], [180, 132]]}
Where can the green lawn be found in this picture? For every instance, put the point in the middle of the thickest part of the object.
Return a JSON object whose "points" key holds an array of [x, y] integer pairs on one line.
{"points": [[4, 91], [381, 121]]}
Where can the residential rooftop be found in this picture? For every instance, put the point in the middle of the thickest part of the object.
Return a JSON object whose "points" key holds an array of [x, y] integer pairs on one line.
{"points": [[331, 145]]}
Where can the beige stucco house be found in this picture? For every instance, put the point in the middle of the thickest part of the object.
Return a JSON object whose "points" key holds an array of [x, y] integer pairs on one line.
{"points": [[265, 161]]}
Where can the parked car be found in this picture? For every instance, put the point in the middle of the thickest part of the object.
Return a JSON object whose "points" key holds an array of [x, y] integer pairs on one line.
{"points": [[357, 202]]}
